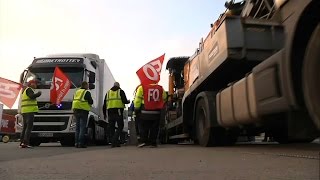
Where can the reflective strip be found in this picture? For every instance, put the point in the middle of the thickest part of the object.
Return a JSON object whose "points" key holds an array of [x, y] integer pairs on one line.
{"points": [[27, 100], [29, 105], [150, 112]]}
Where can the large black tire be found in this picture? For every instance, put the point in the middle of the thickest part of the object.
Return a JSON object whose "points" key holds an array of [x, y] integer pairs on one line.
{"points": [[311, 77], [204, 133], [105, 140], [91, 140], [208, 133]]}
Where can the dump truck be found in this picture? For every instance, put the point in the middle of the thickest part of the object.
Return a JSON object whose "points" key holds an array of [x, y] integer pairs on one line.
{"points": [[256, 71], [56, 122]]}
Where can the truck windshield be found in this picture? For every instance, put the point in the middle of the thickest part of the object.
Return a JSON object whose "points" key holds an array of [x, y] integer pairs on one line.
{"points": [[44, 76]]}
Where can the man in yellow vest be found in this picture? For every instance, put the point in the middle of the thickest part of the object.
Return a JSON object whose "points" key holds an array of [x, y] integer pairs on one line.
{"points": [[114, 104], [81, 106], [29, 106], [148, 102]]}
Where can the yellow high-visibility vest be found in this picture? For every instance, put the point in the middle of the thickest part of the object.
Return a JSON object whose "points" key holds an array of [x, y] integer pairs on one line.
{"points": [[28, 105], [79, 102], [113, 99]]}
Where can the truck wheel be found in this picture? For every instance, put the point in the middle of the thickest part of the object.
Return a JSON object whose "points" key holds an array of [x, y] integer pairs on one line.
{"points": [[311, 77], [105, 140], [206, 133], [91, 134], [203, 131]]}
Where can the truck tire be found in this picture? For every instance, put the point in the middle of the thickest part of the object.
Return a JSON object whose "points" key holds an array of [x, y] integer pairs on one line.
{"points": [[204, 133], [91, 134], [105, 140], [208, 133], [311, 77]]}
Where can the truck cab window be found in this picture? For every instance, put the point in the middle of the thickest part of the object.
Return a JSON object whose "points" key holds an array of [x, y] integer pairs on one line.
{"points": [[44, 76]]}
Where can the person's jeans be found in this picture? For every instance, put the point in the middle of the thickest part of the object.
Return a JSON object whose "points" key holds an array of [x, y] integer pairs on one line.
{"points": [[28, 119], [81, 127], [115, 133]]}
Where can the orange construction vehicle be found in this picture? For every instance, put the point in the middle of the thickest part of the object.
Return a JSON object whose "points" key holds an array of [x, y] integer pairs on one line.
{"points": [[256, 71]]}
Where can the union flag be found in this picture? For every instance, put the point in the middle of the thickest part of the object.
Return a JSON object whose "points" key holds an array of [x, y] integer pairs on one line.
{"points": [[150, 72], [60, 86]]}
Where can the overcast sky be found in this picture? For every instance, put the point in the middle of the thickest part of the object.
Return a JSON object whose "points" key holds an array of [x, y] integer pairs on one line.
{"points": [[126, 33]]}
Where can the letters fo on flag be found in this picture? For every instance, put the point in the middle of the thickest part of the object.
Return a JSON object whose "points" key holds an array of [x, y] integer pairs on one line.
{"points": [[150, 72], [9, 91], [60, 86]]}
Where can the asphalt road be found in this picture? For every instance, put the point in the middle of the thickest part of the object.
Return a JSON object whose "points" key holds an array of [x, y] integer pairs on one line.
{"points": [[242, 161]]}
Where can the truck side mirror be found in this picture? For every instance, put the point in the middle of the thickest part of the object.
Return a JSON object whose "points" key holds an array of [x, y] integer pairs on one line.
{"points": [[22, 75], [92, 77], [91, 86]]}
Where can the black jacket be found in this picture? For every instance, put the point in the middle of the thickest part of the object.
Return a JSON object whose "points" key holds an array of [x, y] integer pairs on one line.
{"points": [[114, 110], [31, 94]]}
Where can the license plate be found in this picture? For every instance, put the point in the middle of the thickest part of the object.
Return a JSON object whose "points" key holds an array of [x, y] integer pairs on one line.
{"points": [[45, 134]]}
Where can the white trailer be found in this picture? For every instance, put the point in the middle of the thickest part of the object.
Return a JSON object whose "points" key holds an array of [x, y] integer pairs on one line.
{"points": [[56, 123]]}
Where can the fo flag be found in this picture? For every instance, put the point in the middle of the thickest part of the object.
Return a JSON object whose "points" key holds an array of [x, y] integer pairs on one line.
{"points": [[150, 72], [9, 92], [60, 86]]}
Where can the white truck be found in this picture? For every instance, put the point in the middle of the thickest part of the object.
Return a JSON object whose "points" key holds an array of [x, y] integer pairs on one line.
{"points": [[56, 122]]}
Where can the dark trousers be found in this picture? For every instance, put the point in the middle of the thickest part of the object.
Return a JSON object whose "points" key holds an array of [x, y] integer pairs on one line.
{"points": [[28, 119], [115, 132], [81, 126], [136, 120], [149, 131]]}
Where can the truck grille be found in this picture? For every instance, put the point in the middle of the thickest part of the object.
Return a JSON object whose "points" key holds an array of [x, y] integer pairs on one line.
{"points": [[64, 106], [50, 120]]}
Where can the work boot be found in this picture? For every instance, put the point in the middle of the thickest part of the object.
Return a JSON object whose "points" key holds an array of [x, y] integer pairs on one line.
{"points": [[142, 145]]}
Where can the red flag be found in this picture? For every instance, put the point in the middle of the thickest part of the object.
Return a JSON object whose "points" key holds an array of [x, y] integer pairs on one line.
{"points": [[150, 72], [60, 86], [9, 92]]}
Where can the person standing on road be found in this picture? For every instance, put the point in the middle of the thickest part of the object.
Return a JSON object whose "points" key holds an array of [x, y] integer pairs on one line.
{"points": [[29, 106], [148, 102], [114, 104], [81, 105]]}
